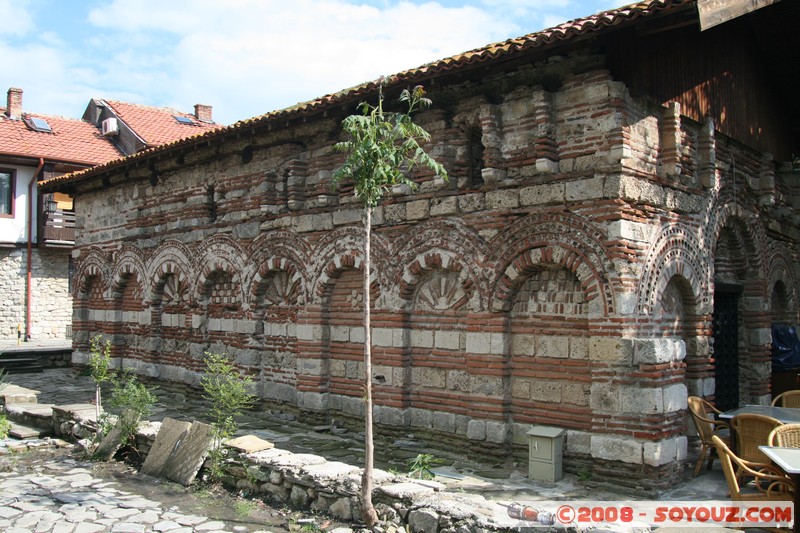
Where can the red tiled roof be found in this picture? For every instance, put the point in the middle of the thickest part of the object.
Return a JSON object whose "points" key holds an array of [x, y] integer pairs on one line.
{"points": [[565, 32], [72, 141], [157, 125]]}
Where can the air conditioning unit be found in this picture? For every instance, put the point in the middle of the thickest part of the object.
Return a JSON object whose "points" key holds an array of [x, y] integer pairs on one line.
{"points": [[110, 127]]}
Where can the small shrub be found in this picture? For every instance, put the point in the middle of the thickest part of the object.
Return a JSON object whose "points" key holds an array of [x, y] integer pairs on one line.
{"points": [[420, 466], [229, 394], [5, 426], [130, 394]]}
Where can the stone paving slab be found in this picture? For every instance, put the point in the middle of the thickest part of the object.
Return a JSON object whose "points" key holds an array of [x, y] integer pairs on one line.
{"points": [[169, 435], [190, 454], [20, 431], [15, 394], [249, 444]]}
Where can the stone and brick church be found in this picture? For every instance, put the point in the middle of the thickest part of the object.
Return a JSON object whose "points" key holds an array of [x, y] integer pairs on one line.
{"points": [[620, 231]]}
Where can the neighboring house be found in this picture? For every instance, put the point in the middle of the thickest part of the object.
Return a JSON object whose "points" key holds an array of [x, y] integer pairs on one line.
{"points": [[37, 232], [620, 230], [134, 127]]}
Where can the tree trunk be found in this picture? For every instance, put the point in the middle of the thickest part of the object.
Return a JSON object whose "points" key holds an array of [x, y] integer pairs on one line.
{"points": [[368, 513], [97, 402]]}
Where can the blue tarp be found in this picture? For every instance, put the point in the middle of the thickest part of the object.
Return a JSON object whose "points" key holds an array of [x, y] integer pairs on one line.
{"points": [[785, 348]]}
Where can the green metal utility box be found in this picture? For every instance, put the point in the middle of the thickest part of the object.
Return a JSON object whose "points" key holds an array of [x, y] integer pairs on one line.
{"points": [[545, 451]]}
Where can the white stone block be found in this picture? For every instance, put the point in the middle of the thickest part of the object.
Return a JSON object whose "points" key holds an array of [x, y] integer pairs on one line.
{"points": [[675, 397], [604, 397], [614, 448], [340, 333], [542, 194], [760, 336], [247, 327], [579, 442], [642, 400], [552, 346], [681, 448], [398, 337], [658, 351], [476, 430], [478, 342], [308, 332], [502, 199], [660, 453], [421, 338], [546, 166], [498, 341], [629, 230], [523, 344], [346, 216], [357, 334], [618, 153], [586, 189], [447, 340], [496, 432], [381, 336]]}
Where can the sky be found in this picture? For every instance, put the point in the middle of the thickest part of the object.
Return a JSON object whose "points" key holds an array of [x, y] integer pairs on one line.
{"points": [[243, 57]]}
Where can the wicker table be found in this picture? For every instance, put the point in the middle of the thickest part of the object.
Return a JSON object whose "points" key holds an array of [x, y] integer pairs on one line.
{"points": [[787, 415], [788, 460]]}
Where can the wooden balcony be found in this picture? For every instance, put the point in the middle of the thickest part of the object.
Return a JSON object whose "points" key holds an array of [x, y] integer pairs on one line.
{"points": [[57, 228]]}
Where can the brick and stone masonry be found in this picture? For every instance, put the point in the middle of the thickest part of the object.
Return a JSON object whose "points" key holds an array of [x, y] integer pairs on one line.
{"points": [[563, 277], [51, 311]]}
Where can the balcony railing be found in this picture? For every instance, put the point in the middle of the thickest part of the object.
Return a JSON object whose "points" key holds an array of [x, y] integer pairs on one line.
{"points": [[57, 227]]}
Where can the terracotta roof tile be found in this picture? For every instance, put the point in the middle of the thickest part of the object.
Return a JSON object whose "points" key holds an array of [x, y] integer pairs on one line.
{"points": [[497, 51], [157, 125], [71, 140]]}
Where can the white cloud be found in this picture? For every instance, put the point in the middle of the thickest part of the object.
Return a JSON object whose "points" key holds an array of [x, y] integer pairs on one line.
{"points": [[249, 57], [16, 18], [243, 57]]}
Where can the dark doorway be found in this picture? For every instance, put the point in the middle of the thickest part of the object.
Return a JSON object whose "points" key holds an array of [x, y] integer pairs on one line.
{"points": [[726, 345]]}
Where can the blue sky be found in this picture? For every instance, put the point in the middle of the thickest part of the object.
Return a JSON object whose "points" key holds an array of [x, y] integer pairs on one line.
{"points": [[243, 57]]}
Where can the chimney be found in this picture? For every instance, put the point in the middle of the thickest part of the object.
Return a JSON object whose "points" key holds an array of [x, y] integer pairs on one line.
{"points": [[203, 113], [14, 104]]}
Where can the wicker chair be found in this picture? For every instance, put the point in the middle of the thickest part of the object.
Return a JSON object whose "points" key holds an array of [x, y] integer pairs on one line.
{"points": [[770, 484], [752, 431], [790, 398], [703, 414], [787, 435]]}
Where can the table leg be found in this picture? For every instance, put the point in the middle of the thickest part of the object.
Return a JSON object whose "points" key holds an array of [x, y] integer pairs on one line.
{"points": [[796, 479]]}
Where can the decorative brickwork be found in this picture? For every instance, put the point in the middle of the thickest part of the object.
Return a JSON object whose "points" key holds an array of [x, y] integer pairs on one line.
{"points": [[570, 284]]}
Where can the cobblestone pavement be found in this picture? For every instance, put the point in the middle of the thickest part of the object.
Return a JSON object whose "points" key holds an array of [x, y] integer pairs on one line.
{"points": [[66, 385], [52, 491]]}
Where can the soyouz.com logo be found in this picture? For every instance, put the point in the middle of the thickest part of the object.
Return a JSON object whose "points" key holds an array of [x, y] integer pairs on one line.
{"points": [[654, 513]]}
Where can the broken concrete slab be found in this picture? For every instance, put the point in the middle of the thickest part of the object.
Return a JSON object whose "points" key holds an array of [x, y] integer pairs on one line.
{"points": [[183, 465], [249, 444], [115, 438], [171, 434]]}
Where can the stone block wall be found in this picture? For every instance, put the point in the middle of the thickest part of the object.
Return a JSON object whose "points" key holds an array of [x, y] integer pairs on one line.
{"points": [[51, 300], [568, 283]]}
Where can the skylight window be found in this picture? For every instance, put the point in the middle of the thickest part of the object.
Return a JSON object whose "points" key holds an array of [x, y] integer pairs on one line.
{"points": [[38, 124], [183, 120]]}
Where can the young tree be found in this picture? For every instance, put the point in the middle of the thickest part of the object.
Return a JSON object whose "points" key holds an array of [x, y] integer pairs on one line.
{"points": [[100, 369], [383, 149]]}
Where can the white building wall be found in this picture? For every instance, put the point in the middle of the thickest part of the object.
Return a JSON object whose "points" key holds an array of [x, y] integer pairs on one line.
{"points": [[14, 230]]}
